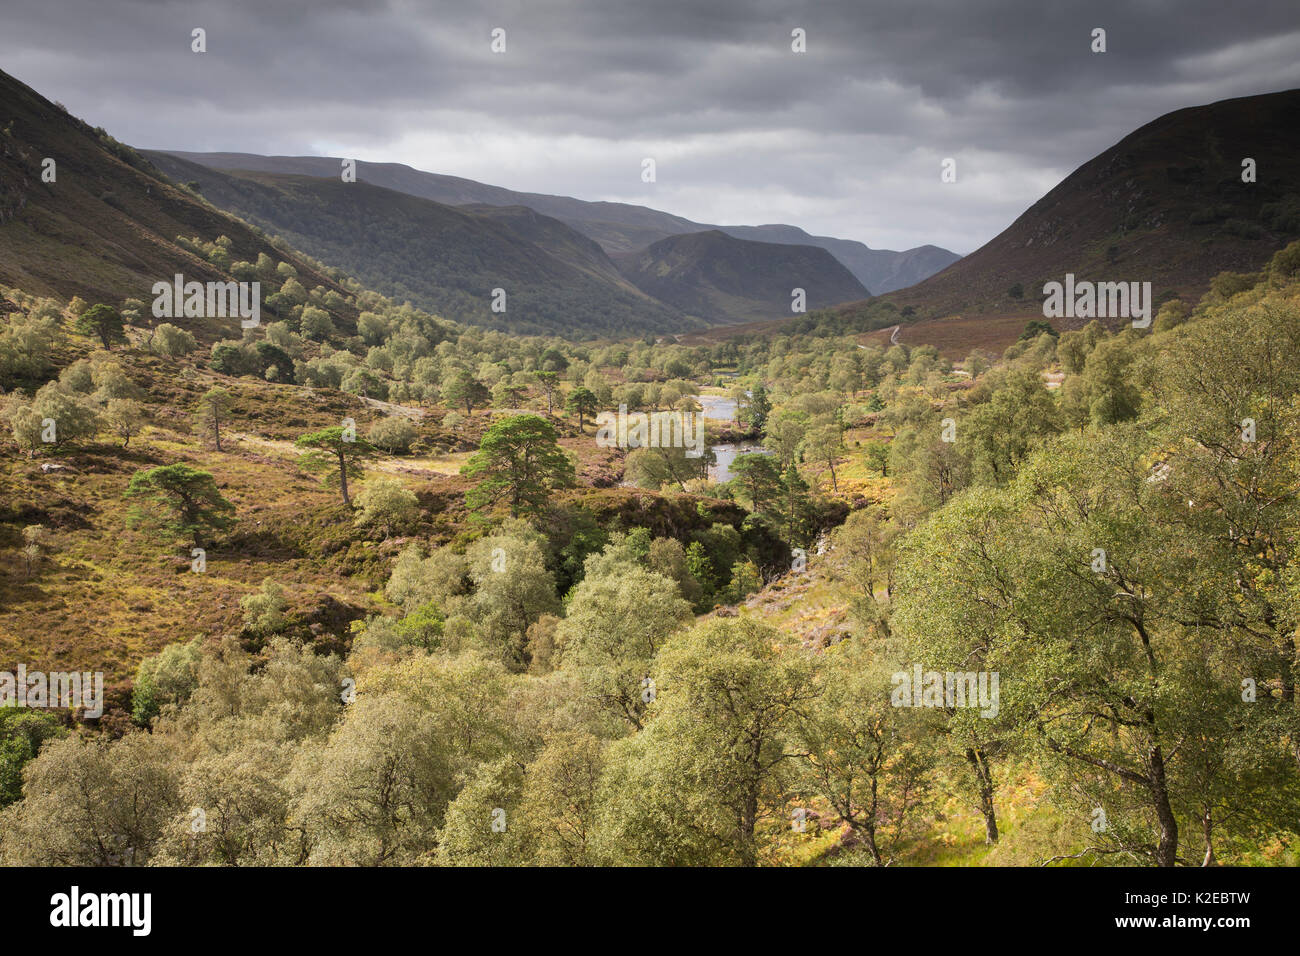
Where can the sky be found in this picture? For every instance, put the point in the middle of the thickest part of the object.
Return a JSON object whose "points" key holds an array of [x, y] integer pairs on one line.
{"points": [[845, 139]]}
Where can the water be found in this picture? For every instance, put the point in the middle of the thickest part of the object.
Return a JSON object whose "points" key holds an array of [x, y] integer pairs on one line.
{"points": [[726, 453], [719, 408]]}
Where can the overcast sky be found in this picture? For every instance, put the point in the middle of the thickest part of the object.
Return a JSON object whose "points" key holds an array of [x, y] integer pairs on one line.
{"points": [[845, 139]]}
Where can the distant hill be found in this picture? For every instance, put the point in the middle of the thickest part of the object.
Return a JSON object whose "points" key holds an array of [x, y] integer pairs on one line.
{"points": [[712, 273], [106, 228], [1166, 204], [880, 270], [618, 227], [447, 259]]}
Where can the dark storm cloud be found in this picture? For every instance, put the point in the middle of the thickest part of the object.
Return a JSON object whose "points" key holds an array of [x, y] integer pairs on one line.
{"points": [[845, 139]]}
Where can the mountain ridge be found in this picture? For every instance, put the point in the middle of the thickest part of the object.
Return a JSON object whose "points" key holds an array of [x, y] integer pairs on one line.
{"points": [[1165, 204], [618, 227]]}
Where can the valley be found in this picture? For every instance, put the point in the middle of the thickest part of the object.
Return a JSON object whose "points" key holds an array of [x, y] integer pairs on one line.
{"points": [[369, 566]]}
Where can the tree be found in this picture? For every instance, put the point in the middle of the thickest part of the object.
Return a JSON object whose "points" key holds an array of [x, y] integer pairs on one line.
{"points": [[759, 476], [95, 802], [549, 382], [869, 760], [667, 557], [729, 693], [785, 435], [507, 394], [54, 418], [864, 545], [27, 344], [1036, 327], [22, 732], [103, 321], [465, 389], [1118, 613], [169, 340], [582, 401], [999, 434], [332, 447], [363, 382], [214, 407], [825, 443], [36, 539], [387, 505], [314, 323], [264, 610], [760, 406], [559, 799], [878, 457], [513, 589], [1111, 393], [124, 416], [615, 625], [179, 501], [795, 505], [393, 434], [520, 461], [168, 677], [662, 465]]}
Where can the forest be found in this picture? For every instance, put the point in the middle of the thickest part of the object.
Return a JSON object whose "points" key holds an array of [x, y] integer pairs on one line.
{"points": [[368, 591]]}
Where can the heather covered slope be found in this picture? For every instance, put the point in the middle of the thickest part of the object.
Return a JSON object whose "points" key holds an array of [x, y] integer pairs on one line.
{"points": [[106, 228], [447, 259], [1166, 204]]}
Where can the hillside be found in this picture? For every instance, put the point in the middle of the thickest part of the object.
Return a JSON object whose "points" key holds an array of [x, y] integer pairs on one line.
{"points": [[880, 270], [618, 227], [106, 228], [1166, 204], [711, 273], [445, 259]]}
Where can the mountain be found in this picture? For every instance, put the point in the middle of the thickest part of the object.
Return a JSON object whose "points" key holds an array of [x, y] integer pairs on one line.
{"points": [[447, 259], [1166, 204], [618, 227], [106, 228], [712, 273], [880, 270]]}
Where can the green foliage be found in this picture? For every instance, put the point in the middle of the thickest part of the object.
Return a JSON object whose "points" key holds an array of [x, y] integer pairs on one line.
{"points": [[171, 341], [22, 732], [168, 677], [177, 501], [336, 454], [614, 626], [103, 322], [520, 462], [394, 435], [386, 505], [465, 389], [264, 610], [1035, 328], [582, 401], [729, 693]]}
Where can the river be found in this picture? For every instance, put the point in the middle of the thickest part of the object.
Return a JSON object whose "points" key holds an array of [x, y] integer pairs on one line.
{"points": [[719, 408]]}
